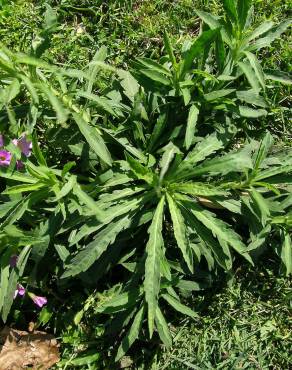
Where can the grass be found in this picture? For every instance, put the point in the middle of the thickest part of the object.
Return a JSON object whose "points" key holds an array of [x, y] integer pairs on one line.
{"points": [[245, 324], [131, 28]]}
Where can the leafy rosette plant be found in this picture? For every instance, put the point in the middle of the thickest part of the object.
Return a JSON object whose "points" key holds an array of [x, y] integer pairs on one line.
{"points": [[139, 183]]}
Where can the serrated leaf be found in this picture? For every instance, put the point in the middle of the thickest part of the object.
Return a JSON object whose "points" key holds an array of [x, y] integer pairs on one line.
{"points": [[263, 150], [250, 75], [129, 84], [286, 252], [221, 230], [169, 49], [231, 10], [251, 113], [243, 7], [152, 64], [94, 139], [92, 252], [180, 232], [278, 76], [178, 306], [217, 94], [197, 49], [261, 205], [214, 23], [152, 264], [162, 328], [261, 29], [132, 334], [198, 189], [140, 171], [61, 111], [102, 102], [191, 125], [256, 67], [271, 35], [250, 97]]}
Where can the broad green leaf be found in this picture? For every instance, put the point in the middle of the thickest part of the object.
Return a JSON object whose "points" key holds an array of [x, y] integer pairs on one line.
{"points": [[123, 141], [271, 35], [231, 162], [152, 264], [207, 239], [257, 68], [278, 76], [231, 10], [7, 207], [88, 201], [261, 29], [156, 76], [214, 23], [100, 55], [217, 94], [273, 172], [191, 125], [153, 65], [197, 49], [221, 230], [170, 151], [61, 111], [178, 306], [157, 131], [250, 75], [198, 189], [17, 189], [140, 171], [67, 188], [251, 113], [132, 334], [37, 151], [220, 52], [263, 150], [18, 176], [250, 97], [119, 302], [94, 139], [162, 328], [180, 232], [4, 276], [243, 7], [129, 84], [102, 102], [169, 49], [10, 92], [286, 253], [261, 205]]}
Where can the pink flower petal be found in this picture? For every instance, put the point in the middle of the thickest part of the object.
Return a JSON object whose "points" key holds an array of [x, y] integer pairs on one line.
{"points": [[24, 145], [39, 301], [5, 158], [1, 141]]}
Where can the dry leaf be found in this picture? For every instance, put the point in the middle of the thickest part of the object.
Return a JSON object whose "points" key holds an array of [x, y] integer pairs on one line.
{"points": [[20, 350]]}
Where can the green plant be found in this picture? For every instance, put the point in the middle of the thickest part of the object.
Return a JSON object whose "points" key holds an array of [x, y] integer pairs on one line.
{"points": [[152, 182]]}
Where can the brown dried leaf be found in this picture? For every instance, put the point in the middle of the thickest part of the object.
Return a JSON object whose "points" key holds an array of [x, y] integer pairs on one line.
{"points": [[20, 350]]}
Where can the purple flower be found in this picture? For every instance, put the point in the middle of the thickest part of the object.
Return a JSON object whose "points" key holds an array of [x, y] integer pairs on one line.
{"points": [[13, 260], [24, 145], [39, 301], [5, 158], [1, 141], [20, 290], [19, 165]]}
